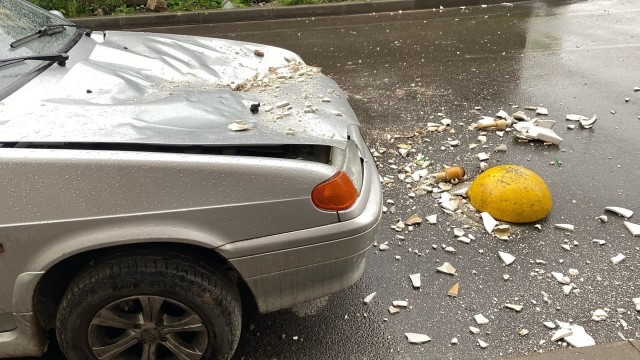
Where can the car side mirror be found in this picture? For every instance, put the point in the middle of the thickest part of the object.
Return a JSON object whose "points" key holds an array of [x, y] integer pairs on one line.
{"points": [[57, 13]]}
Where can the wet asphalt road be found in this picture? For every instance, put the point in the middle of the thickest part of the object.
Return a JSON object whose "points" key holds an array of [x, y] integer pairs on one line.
{"points": [[401, 70]]}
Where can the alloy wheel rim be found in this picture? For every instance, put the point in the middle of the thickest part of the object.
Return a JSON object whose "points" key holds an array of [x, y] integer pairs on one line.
{"points": [[147, 328]]}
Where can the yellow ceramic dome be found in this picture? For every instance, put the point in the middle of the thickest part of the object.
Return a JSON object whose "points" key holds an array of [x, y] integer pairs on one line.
{"points": [[511, 193]]}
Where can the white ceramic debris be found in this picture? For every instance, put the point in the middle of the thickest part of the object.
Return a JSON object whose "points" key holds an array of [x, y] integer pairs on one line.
{"points": [[549, 324], [603, 218], [588, 124], [501, 148], [369, 297], [502, 114], [531, 131], [561, 334], [474, 330], [458, 232], [414, 338], [506, 258], [542, 111], [449, 249], [567, 227], [454, 341], [239, 126], [461, 191], [574, 272], [506, 277], [482, 344], [464, 239], [447, 269], [432, 219], [393, 310], [561, 278], [480, 319], [575, 117], [523, 332], [414, 219], [626, 213], [599, 315], [415, 280], [282, 104], [383, 247], [482, 156], [634, 229], [400, 303], [502, 232], [636, 302], [566, 289], [489, 222], [514, 307], [617, 259], [579, 337], [598, 241]]}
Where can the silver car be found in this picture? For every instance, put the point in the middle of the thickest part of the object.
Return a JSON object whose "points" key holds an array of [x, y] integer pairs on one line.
{"points": [[150, 185]]}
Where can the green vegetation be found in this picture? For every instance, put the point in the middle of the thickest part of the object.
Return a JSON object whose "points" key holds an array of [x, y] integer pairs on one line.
{"points": [[300, 2], [74, 8]]}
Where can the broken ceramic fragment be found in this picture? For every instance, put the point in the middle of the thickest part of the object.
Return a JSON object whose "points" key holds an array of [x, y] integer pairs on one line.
{"points": [[453, 291], [400, 303], [598, 241], [617, 259], [634, 229], [432, 219], [414, 338], [369, 297], [415, 280], [575, 117], [474, 330], [599, 315], [482, 156], [393, 310], [603, 218], [567, 227], [579, 337], [464, 239], [561, 334], [542, 111], [458, 232], [523, 332], [560, 277], [482, 344], [454, 341], [239, 125], [383, 247], [480, 319], [549, 324], [506, 258], [447, 269], [502, 232], [626, 213], [414, 219], [489, 222], [588, 124], [514, 307]]}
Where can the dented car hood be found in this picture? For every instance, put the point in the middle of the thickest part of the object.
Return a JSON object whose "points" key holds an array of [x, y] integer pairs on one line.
{"points": [[121, 87]]}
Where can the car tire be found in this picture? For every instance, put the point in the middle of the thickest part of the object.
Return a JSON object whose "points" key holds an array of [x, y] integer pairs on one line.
{"points": [[157, 293]]}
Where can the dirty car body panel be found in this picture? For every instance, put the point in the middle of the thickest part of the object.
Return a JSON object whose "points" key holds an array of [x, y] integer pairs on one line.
{"points": [[129, 144]]}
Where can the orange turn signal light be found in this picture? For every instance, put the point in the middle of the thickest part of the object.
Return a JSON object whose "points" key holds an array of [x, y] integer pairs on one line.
{"points": [[337, 193]]}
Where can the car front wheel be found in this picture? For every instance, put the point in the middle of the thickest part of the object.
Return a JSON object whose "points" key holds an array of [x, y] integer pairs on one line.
{"points": [[151, 307]]}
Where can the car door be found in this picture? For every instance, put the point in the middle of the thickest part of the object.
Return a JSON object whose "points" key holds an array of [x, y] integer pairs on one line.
{"points": [[6, 290]]}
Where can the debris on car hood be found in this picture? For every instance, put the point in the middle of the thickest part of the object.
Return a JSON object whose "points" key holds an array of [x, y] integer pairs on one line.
{"points": [[173, 89]]}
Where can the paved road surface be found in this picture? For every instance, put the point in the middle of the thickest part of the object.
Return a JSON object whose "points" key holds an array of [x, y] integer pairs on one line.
{"points": [[401, 70]]}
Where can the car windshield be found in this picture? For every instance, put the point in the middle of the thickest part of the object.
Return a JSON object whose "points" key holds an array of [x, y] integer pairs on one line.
{"points": [[18, 19]]}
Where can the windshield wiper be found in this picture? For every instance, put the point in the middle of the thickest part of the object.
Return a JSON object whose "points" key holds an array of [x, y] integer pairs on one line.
{"points": [[60, 58], [48, 31]]}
